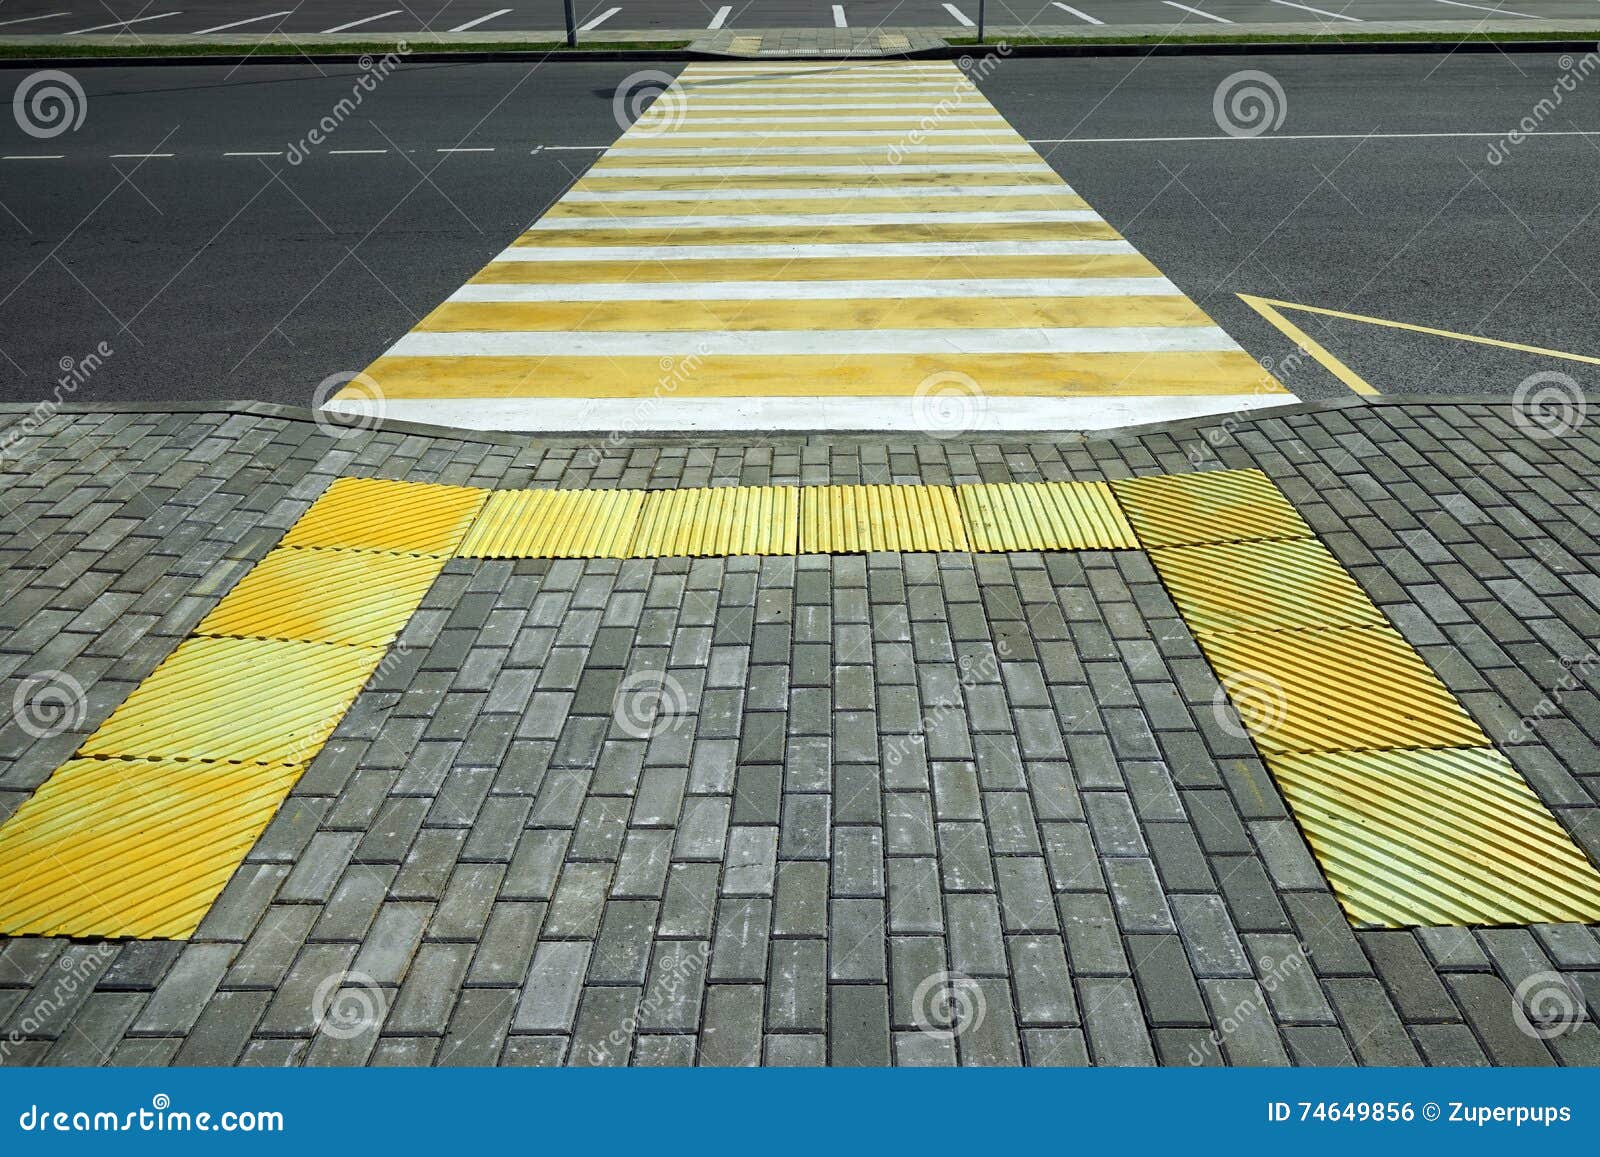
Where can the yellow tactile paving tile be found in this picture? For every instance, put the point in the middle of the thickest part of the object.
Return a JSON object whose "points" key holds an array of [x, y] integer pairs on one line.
{"points": [[1208, 506], [1044, 516], [1336, 689], [844, 313], [856, 519], [378, 514], [555, 524], [826, 375], [135, 848], [1275, 585], [1435, 838], [237, 700], [719, 520], [355, 597]]}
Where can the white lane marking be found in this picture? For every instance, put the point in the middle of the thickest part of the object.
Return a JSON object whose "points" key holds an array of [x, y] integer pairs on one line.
{"points": [[826, 290], [575, 148], [599, 20], [961, 17], [34, 157], [690, 152], [279, 153], [607, 170], [122, 23], [139, 156], [467, 149], [1196, 11], [721, 17], [1318, 11], [547, 415], [356, 152], [838, 17], [363, 20], [241, 23], [1481, 8], [1307, 137], [1129, 339], [842, 193], [470, 24], [26, 19], [884, 249], [814, 220], [1084, 16]]}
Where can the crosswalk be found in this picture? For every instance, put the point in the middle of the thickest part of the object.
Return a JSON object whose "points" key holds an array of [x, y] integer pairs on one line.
{"points": [[862, 247]]}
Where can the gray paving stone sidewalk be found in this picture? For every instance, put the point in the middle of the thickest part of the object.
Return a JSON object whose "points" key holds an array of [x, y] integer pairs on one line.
{"points": [[914, 809]]}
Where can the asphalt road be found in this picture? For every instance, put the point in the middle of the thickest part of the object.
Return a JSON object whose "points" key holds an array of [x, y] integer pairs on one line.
{"points": [[395, 17], [209, 275]]}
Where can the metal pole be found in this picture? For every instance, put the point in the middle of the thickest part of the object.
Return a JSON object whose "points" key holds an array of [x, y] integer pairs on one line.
{"points": [[980, 21], [572, 25]]}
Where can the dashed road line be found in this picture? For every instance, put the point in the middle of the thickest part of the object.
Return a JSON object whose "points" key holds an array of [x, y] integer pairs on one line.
{"points": [[1084, 16], [140, 156], [1197, 11], [720, 17], [356, 152], [961, 17], [467, 149], [471, 24], [359, 23], [1485, 8], [242, 23], [122, 23], [839, 20], [599, 20], [34, 157], [274, 153], [26, 19], [1318, 11]]}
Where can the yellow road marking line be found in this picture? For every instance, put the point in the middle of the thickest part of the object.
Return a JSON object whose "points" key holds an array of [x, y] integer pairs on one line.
{"points": [[1309, 344], [758, 269]]}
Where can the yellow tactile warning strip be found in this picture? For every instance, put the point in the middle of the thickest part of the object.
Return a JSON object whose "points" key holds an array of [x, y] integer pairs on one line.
{"points": [[1437, 837], [1414, 816], [826, 247], [131, 848], [376, 514], [555, 524]]}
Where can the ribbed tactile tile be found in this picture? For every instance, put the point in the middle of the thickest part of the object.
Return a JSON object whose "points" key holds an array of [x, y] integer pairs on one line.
{"points": [[1435, 838], [1209, 506], [555, 524], [237, 700], [1263, 586], [378, 514], [131, 847], [1044, 516], [354, 597], [1341, 689], [857, 519], [719, 520]]}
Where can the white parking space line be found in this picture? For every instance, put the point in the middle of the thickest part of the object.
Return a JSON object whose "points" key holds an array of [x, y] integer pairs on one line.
{"points": [[467, 149], [1483, 8], [356, 152], [1196, 11], [363, 20], [960, 16], [1318, 11], [599, 20], [480, 20], [139, 156], [34, 157], [271, 154], [721, 17], [1084, 16], [838, 17], [241, 23], [123, 23], [25, 19]]}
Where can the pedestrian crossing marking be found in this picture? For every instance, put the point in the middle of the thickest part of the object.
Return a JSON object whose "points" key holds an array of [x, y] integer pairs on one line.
{"points": [[741, 189]]}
